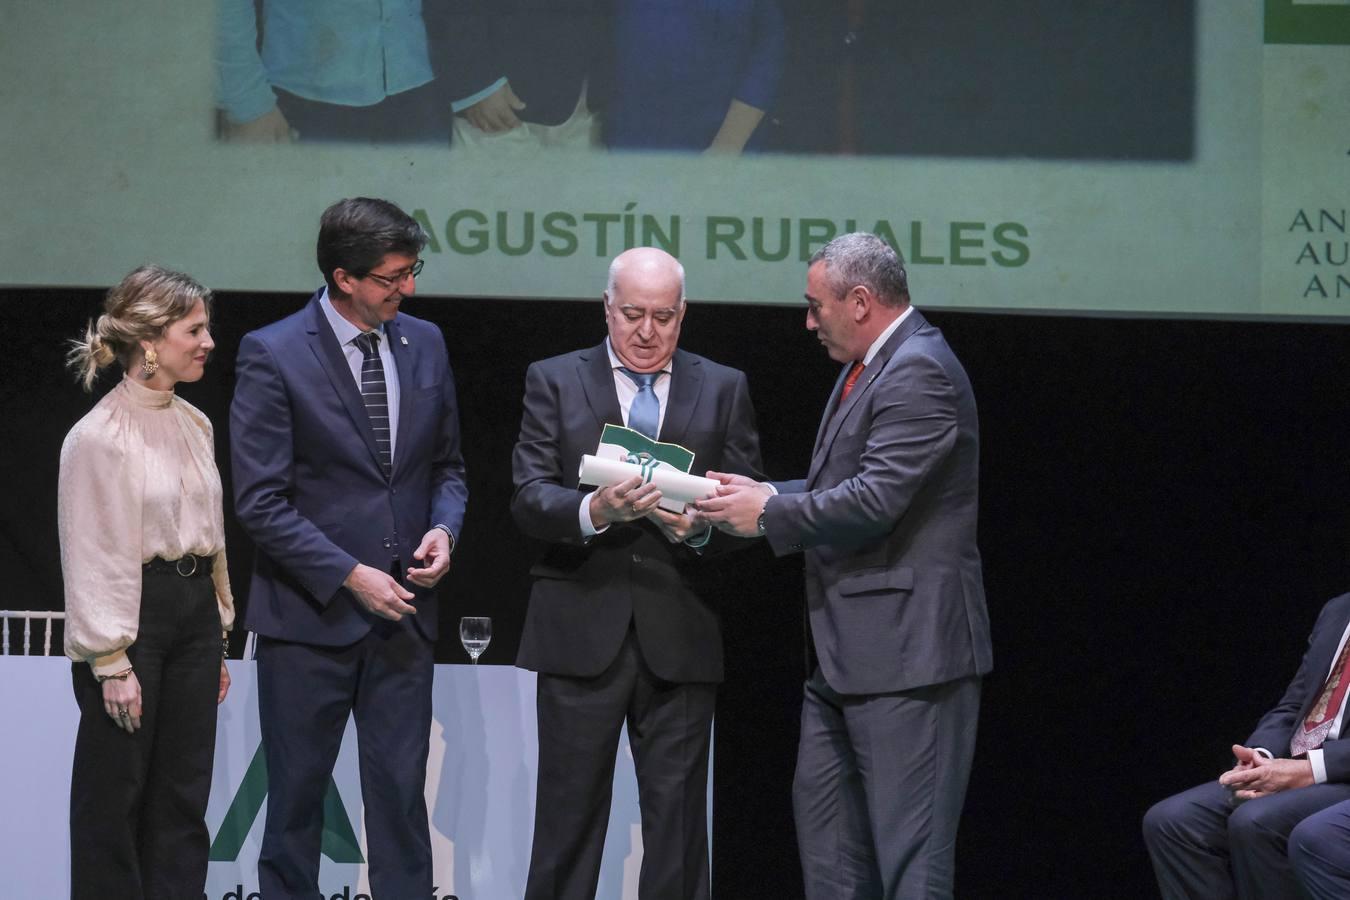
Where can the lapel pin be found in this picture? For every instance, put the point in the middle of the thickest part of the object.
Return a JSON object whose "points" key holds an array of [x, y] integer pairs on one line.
{"points": [[403, 341]]}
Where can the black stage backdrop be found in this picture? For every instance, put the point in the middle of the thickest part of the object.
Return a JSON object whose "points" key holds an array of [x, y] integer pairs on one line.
{"points": [[1164, 511]]}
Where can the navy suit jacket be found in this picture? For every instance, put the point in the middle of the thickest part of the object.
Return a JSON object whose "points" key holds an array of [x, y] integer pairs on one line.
{"points": [[586, 591], [308, 486], [887, 518], [1275, 731]]}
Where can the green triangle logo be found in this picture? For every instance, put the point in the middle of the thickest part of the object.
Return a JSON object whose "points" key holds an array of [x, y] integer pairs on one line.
{"points": [[339, 838]]}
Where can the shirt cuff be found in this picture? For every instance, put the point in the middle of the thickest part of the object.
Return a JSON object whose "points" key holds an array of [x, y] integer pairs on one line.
{"points": [[448, 532], [464, 103], [588, 529], [111, 664], [1319, 766], [773, 491]]}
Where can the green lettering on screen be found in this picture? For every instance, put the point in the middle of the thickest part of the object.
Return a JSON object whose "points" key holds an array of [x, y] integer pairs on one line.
{"points": [[725, 230], [784, 240], [433, 245], [503, 238], [883, 230], [1005, 235], [916, 254], [814, 234], [668, 239], [479, 235], [960, 242], [602, 222], [553, 227]]}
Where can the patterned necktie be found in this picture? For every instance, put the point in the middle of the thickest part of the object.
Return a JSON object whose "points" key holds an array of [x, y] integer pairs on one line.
{"points": [[849, 382], [645, 413], [1317, 726], [375, 395]]}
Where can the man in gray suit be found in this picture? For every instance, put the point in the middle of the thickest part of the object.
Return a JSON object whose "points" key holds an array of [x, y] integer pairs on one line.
{"points": [[886, 517]]}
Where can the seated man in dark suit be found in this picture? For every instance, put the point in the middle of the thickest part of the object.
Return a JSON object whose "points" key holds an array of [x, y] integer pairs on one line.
{"points": [[1276, 820]]}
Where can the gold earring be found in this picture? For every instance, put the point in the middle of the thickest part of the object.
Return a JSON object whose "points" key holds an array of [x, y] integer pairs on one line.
{"points": [[150, 365]]}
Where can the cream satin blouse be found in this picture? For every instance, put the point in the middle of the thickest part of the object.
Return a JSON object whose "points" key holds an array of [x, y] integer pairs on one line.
{"points": [[138, 480]]}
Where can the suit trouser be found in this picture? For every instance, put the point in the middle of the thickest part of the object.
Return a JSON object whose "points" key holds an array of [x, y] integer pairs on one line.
{"points": [[1205, 843], [669, 730], [879, 786], [138, 801], [1319, 850], [305, 694]]}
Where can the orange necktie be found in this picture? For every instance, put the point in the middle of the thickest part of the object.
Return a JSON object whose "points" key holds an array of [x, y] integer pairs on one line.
{"points": [[850, 381]]}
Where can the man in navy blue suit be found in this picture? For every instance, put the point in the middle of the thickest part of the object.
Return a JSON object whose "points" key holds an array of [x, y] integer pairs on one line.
{"points": [[1274, 825], [348, 476]]}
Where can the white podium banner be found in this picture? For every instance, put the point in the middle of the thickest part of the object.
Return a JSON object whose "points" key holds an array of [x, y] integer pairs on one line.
{"points": [[480, 790]]}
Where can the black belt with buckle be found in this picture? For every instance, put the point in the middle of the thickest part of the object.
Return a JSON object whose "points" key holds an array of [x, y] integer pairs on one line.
{"points": [[187, 566]]}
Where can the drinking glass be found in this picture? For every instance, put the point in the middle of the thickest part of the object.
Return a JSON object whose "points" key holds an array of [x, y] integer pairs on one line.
{"points": [[475, 633]]}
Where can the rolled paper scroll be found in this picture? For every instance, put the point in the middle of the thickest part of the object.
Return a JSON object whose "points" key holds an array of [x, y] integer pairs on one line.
{"points": [[677, 488]]}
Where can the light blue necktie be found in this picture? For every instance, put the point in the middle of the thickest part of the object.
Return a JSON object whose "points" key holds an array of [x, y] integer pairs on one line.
{"points": [[645, 413]]}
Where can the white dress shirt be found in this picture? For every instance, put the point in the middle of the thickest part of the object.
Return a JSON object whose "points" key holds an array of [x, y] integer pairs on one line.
{"points": [[627, 390], [1319, 765]]}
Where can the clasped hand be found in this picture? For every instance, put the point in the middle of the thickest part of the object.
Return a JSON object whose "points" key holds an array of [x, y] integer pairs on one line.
{"points": [[378, 592], [1256, 776]]}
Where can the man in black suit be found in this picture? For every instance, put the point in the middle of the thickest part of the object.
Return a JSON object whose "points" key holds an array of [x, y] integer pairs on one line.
{"points": [[617, 628], [1236, 836]]}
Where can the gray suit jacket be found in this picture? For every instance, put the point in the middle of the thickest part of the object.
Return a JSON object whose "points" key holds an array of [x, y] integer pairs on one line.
{"points": [[887, 518]]}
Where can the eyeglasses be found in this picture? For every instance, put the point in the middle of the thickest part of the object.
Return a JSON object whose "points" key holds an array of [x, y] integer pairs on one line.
{"points": [[392, 281]]}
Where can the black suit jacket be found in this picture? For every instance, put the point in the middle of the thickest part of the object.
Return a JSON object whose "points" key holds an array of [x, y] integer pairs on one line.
{"points": [[1275, 731], [586, 592]]}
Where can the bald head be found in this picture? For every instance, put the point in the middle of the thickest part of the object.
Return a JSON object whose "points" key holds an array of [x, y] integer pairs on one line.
{"points": [[644, 306], [647, 264]]}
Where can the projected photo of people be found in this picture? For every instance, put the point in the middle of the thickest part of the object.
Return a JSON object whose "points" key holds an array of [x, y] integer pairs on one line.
{"points": [[1044, 79], [356, 70], [1037, 79], [521, 76], [696, 76]]}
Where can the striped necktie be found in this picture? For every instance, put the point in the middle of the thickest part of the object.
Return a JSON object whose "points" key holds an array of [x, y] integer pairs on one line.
{"points": [[644, 414], [375, 395]]}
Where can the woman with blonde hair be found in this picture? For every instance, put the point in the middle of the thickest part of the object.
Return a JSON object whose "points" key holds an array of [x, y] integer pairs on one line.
{"points": [[148, 598]]}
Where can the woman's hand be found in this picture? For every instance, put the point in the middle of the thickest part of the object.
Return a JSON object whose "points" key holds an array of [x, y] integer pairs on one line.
{"points": [[224, 683], [122, 701]]}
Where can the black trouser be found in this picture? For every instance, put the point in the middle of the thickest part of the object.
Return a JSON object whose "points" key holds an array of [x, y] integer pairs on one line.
{"points": [[420, 115], [138, 801], [669, 732]]}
